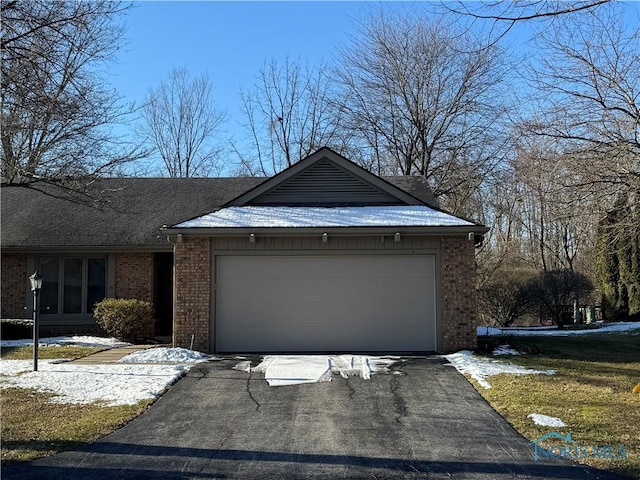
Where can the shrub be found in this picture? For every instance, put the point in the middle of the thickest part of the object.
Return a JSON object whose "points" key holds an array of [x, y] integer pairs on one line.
{"points": [[555, 291], [126, 319], [16, 329], [506, 297]]}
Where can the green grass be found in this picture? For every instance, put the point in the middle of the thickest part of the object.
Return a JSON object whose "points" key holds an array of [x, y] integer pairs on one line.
{"points": [[32, 426], [64, 351], [590, 392]]}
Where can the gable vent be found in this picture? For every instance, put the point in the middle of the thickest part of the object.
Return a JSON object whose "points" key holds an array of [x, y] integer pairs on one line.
{"points": [[325, 184]]}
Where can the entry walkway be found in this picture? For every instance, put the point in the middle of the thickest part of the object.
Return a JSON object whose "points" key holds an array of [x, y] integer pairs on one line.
{"points": [[110, 356]]}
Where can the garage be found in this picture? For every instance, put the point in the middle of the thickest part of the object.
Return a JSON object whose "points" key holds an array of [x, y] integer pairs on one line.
{"points": [[326, 257], [325, 303]]}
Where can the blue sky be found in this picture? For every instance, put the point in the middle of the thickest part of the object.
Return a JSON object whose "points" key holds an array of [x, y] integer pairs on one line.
{"points": [[229, 41]]}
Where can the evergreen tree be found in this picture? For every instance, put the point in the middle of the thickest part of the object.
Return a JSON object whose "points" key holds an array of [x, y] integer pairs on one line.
{"points": [[618, 260]]}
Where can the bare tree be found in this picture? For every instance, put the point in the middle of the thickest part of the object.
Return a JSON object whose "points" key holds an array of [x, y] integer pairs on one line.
{"points": [[591, 81], [57, 113], [507, 11], [290, 113], [503, 15], [422, 100], [181, 120]]}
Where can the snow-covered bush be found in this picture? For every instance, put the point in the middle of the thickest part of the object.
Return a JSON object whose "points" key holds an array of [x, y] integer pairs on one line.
{"points": [[126, 319]]}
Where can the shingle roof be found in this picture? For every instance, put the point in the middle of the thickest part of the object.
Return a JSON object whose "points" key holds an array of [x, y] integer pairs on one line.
{"points": [[128, 211]]}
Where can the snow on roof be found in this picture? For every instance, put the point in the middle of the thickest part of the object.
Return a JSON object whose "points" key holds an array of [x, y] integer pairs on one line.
{"points": [[381, 216]]}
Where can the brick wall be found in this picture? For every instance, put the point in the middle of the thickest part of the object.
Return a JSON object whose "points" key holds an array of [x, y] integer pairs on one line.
{"points": [[192, 293], [14, 285], [459, 319], [134, 276], [59, 330], [134, 279]]}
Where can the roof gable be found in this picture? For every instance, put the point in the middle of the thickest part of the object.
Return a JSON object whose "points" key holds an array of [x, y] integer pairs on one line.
{"points": [[325, 178]]}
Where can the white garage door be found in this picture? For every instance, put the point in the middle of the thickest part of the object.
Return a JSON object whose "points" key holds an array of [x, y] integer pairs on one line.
{"points": [[352, 303]]}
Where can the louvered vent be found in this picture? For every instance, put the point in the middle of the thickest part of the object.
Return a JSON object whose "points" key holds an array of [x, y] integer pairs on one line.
{"points": [[325, 184]]}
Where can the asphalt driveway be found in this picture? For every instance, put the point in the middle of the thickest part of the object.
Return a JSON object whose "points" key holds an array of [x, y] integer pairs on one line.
{"points": [[426, 421]]}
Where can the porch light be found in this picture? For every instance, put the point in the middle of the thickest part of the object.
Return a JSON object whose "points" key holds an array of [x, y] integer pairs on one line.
{"points": [[36, 282], [36, 285]]}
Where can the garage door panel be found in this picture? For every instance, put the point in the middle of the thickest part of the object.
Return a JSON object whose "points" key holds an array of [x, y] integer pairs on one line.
{"points": [[309, 290], [325, 303]]}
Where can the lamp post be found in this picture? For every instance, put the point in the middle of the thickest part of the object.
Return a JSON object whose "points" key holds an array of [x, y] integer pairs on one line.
{"points": [[36, 285]]}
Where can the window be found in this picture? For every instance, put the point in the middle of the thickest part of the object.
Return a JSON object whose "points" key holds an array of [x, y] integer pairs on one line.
{"points": [[72, 285]]}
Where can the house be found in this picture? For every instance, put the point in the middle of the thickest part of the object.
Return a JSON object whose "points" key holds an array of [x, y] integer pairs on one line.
{"points": [[324, 256]]}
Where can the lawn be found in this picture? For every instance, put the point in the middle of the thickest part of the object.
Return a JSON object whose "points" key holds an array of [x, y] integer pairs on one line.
{"points": [[33, 427], [66, 351], [591, 392]]}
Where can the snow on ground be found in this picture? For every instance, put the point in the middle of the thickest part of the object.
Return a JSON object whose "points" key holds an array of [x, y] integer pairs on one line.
{"points": [[545, 420], [505, 350], [282, 370], [165, 355], [76, 340], [479, 368], [616, 327], [244, 366], [113, 384]]}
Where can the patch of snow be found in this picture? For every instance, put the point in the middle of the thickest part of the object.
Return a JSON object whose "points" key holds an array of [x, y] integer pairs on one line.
{"points": [[74, 340], [616, 327], [546, 421], [113, 384], [15, 367], [244, 366], [165, 355], [283, 370], [505, 350], [479, 369], [257, 217]]}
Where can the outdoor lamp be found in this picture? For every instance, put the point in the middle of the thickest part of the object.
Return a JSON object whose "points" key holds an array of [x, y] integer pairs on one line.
{"points": [[36, 285], [36, 281]]}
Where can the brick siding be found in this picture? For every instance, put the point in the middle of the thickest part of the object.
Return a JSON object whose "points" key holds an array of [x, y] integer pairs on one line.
{"points": [[134, 276], [459, 319], [60, 330], [192, 293], [14, 285], [134, 279], [457, 280]]}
